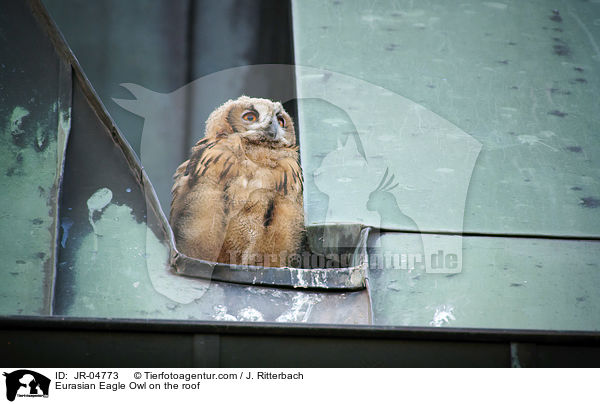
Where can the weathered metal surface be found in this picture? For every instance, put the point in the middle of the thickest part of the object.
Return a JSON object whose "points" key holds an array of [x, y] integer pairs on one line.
{"points": [[520, 79], [34, 125], [507, 283], [488, 129]]}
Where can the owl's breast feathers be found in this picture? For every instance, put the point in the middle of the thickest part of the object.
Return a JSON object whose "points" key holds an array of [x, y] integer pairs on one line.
{"points": [[218, 161], [233, 197]]}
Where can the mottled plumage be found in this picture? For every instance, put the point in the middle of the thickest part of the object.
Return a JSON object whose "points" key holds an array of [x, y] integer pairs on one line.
{"points": [[238, 199]]}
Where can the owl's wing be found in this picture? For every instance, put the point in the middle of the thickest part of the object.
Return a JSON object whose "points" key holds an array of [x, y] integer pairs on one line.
{"points": [[213, 159], [290, 176], [199, 206], [213, 162]]}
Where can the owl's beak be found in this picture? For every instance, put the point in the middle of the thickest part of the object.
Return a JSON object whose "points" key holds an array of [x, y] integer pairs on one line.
{"points": [[273, 130]]}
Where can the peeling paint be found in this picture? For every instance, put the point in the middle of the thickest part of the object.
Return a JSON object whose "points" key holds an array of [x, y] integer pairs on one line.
{"points": [[16, 120], [96, 203], [302, 305]]}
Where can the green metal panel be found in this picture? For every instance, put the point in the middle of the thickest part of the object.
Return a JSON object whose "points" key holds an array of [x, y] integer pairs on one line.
{"points": [[519, 78], [505, 283], [431, 120], [34, 123]]}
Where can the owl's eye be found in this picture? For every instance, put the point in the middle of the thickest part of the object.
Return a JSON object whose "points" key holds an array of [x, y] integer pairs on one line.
{"points": [[281, 121], [250, 116]]}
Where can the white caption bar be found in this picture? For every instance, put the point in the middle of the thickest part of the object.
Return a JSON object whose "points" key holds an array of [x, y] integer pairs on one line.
{"points": [[45, 386]]}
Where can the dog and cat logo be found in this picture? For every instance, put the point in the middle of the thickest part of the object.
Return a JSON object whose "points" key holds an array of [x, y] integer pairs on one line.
{"points": [[26, 383]]}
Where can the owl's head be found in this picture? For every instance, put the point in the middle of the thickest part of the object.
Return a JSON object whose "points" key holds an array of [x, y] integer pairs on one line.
{"points": [[258, 120]]}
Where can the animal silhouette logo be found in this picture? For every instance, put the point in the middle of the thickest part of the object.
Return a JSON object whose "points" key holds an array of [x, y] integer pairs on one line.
{"points": [[375, 130], [26, 383], [384, 202]]}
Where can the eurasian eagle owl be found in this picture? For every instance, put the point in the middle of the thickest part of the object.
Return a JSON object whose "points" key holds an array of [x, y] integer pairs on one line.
{"points": [[238, 199]]}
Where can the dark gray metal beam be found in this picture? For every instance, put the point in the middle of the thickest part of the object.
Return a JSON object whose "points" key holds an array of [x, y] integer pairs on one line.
{"points": [[56, 342]]}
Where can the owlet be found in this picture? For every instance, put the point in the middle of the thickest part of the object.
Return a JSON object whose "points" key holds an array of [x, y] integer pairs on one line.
{"points": [[238, 199]]}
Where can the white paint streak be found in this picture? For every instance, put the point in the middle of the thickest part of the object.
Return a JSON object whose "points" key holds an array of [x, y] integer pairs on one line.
{"points": [[98, 201], [443, 314], [302, 305]]}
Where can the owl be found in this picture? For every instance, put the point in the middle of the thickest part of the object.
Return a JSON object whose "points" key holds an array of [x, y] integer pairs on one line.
{"points": [[238, 199]]}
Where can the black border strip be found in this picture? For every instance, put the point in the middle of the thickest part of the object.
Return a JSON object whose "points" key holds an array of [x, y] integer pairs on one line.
{"points": [[581, 338]]}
